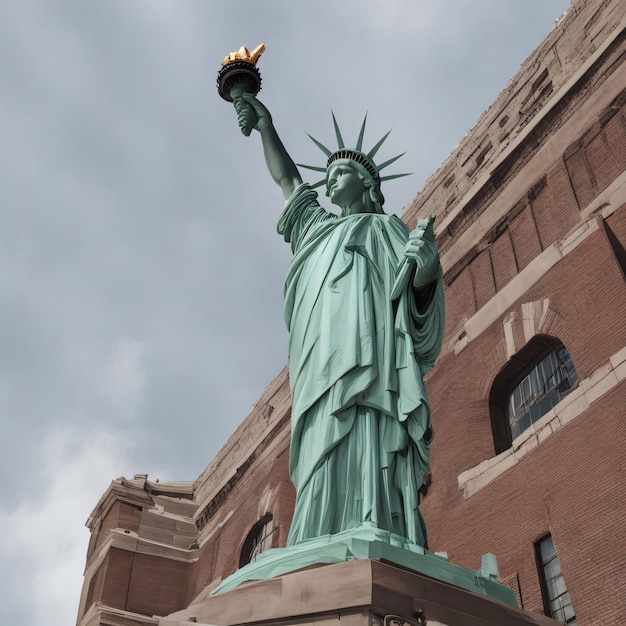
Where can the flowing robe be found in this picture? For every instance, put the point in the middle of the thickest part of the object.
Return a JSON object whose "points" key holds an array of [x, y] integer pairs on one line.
{"points": [[361, 430]]}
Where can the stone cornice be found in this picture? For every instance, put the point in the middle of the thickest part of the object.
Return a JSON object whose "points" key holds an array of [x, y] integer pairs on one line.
{"points": [[560, 72]]}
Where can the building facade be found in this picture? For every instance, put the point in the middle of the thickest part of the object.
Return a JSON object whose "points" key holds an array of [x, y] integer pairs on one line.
{"points": [[528, 396]]}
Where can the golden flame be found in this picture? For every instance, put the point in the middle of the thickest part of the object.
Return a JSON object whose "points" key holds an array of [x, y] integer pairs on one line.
{"points": [[243, 54]]}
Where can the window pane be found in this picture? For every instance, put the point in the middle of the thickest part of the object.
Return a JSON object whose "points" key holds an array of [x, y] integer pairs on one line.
{"points": [[556, 611], [535, 412], [258, 540], [547, 549], [541, 390], [524, 422], [554, 589], [568, 611], [526, 388], [552, 569], [266, 538], [536, 382], [541, 374], [545, 404]]}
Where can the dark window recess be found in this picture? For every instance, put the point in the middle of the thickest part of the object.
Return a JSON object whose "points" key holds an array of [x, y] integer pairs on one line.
{"points": [[541, 390], [533, 381], [259, 540], [556, 600]]}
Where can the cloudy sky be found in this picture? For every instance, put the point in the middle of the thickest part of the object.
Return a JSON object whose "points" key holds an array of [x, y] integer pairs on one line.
{"points": [[140, 271]]}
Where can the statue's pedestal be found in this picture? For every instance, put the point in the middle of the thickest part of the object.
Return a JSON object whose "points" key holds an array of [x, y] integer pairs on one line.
{"points": [[367, 542], [360, 592]]}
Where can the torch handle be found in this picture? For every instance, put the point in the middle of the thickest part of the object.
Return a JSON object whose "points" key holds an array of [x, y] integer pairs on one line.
{"points": [[245, 115]]}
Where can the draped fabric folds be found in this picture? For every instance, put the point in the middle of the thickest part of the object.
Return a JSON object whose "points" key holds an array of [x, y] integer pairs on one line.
{"points": [[361, 430]]}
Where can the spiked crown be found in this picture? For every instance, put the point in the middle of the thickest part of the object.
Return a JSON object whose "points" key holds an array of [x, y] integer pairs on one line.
{"points": [[364, 159]]}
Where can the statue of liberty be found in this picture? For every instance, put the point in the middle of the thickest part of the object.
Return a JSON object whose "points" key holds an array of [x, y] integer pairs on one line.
{"points": [[364, 310]]}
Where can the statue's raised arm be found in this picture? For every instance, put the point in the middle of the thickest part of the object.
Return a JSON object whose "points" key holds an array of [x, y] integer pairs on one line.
{"points": [[251, 113], [364, 310], [238, 82]]}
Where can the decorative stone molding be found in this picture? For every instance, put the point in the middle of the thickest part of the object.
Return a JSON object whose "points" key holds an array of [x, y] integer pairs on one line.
{"points": [[518, 286]]}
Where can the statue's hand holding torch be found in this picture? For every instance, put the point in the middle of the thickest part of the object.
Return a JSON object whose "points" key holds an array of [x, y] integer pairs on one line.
{"points": [[245, 112], [240, 76]]}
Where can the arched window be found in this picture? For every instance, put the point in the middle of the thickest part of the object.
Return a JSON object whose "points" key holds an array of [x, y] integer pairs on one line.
{"points": [[258, 540], [534, 381]]}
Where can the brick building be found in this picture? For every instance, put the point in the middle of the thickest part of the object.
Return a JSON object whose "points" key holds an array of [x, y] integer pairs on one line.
{"points": [[528, 395]]}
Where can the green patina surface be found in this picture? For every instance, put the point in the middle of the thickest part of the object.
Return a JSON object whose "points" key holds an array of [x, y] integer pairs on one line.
{"points": [[365, 313], [364, 309], [369, 543]]}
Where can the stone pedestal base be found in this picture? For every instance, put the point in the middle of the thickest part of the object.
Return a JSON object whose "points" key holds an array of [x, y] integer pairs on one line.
{"points": [[368, 542], [355, 593]]}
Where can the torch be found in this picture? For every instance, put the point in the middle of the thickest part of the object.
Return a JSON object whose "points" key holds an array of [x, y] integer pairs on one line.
{"points": [[239, 75]]}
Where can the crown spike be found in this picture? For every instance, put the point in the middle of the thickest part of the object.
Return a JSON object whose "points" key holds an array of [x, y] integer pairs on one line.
{"points": [[359, 143], [382, 166], [319, 183], [321, 146], [340, 143], [392, 176], [357, 155], [372, 153], [315, 168]]}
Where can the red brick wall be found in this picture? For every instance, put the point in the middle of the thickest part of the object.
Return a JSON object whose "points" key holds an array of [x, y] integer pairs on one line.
{"points": [[460, 303], [94, 591], [578, 289], [503, 259], [157, 585], [120, 515], [118, 568], [572, 484], [596, 159], [524, 235], [130, 580], [139, 583], [266, 481]]}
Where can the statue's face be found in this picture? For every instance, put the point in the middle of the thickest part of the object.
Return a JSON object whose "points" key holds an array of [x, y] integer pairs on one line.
{"points": [[344, 184]]}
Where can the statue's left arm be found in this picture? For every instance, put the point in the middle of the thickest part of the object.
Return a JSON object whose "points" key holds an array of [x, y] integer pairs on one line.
{"points": [[421, 253], [420, 264], [418, 292]]}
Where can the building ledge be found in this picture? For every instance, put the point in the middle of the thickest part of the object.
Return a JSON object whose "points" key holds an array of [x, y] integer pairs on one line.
{"points": [[611, 199], [127, 540], [100, 613]]}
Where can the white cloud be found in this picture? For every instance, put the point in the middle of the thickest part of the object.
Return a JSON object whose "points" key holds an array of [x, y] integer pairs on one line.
{"points": [[39, 536], [123, 383]]}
